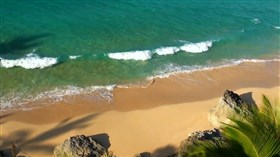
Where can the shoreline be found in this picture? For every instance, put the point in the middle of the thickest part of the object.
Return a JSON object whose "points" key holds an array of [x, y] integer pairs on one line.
{"points": [[65, 95], [141, 119]]}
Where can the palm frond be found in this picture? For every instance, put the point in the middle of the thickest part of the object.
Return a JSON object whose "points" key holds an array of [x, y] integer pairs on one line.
{"points": [[267, 111], [236, 134], [256, 134], [215, 149]]}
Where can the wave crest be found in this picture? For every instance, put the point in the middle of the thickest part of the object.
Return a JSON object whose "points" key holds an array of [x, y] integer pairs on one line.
{"points": [[197, 47], [276, 27], [133, 55], [166, 50], [75, 57], [147, 54], [30, 61]]}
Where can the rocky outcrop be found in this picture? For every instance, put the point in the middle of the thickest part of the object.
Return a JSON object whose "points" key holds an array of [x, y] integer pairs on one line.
{"points": [[230, 104], [199, 136], [80, 146], [204, 135]]}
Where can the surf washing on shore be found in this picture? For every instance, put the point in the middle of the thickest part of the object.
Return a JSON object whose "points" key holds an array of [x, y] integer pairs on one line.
{"points": [[51, 50]]}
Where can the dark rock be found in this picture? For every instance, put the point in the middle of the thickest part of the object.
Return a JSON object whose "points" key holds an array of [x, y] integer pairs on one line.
{"points": [[80, 146], [234, 101], [230, 104], [204, 135], [213, 136]]}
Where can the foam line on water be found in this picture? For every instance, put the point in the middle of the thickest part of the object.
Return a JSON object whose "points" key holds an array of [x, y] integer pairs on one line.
{"points": [[30, 61], [17, 101], [276, 27], [197, 47], [75, 56], [172, 69], [148, 54], [132, 55]]}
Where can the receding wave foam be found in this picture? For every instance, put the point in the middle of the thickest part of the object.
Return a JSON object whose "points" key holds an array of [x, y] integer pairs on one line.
{"points": [[30, 61], [19, 101], [147, 54], [171, 69]]}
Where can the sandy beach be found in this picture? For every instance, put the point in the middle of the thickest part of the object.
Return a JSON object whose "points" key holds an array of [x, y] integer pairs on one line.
{"points": [[153, 119]]}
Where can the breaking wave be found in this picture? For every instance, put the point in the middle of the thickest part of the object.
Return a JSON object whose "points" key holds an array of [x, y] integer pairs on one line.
{"points": [[276, 27], [75, 57], [148, 54], [34, 61], [30, 61], [133, 55], [166, 50], [197, 47]]}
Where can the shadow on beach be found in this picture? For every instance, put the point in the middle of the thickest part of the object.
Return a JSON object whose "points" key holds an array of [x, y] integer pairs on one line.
{"points": [[20, 140], [102, 139], [167, 151], [248, 98]]}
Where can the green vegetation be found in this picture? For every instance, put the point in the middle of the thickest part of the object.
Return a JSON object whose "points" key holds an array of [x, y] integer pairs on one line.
{"points": [[256, 135]]}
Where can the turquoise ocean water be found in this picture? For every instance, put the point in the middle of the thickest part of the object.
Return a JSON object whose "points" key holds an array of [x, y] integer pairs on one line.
{"points": [[53, 48]]}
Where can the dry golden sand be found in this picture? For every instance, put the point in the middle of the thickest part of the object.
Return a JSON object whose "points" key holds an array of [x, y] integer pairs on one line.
{"points": [[153, 119]]}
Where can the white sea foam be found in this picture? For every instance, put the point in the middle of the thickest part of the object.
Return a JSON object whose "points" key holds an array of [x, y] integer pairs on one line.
{"points": [[173, 69], [30, 61], [255, 21], [17, 101], [147, 54], [276, 27], [166, 50], [197, 47], [74, 57], [133, 55]]}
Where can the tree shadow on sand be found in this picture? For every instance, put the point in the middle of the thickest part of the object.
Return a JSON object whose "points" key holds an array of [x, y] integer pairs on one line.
{"points": [[21, 138], [167, 151], [20, 44]]}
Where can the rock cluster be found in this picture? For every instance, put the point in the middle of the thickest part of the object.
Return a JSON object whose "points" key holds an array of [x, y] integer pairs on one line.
{"points": [[80, 146], [204, 135], [230, 104]]}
